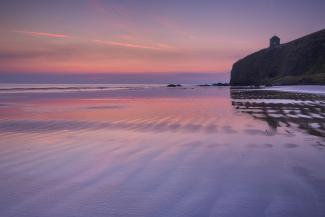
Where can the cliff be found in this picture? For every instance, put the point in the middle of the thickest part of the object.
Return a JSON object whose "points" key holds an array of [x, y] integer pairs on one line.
{"points": [[301, 61]]}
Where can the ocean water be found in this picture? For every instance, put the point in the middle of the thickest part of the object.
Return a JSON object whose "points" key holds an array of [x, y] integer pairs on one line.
{"points": [[148, 150]]}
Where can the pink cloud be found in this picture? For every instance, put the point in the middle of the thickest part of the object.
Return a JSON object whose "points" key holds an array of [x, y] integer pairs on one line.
{"points": [[155, 46], [131, 45], [45, 34]]}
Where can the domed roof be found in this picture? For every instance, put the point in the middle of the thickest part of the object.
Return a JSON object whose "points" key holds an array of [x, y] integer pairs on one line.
{"points": [[275, 38]]}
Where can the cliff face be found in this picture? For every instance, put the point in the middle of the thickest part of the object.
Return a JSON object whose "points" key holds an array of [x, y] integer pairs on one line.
{"points": [[301, 61]]}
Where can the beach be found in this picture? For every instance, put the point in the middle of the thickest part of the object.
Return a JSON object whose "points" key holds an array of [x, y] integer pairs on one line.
{"points": [[158, 151]]}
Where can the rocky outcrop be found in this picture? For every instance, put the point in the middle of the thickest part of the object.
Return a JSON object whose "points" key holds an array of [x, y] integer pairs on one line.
{"points": [[301, 61]]}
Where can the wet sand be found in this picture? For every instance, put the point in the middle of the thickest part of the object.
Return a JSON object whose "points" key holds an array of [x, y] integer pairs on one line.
{"points": [[162, 152]]}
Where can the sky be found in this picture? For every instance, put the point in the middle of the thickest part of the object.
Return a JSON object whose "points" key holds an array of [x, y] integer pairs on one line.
{"points": [[144, 37]]}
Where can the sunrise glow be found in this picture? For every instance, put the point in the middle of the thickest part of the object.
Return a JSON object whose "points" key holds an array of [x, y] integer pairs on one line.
{"points": [[97, 36]]}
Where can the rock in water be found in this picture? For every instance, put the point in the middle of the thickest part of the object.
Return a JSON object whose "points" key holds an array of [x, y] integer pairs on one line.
{"points": [[174, 85]]}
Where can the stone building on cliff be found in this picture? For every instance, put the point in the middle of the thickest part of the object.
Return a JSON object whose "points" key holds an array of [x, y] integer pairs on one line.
{"points": [[274, 42]]}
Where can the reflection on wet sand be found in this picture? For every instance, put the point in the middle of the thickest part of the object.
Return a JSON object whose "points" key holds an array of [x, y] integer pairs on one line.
{"points": [[300, 110], [161, 152], [150, 126]]}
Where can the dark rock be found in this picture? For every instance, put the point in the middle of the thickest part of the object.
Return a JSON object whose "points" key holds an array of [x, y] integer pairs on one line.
{"points": [[220, 84], [174, 85], [301, 61]]}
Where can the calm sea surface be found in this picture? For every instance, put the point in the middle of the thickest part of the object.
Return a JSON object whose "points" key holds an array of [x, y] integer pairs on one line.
{"points": [[98, 150]]}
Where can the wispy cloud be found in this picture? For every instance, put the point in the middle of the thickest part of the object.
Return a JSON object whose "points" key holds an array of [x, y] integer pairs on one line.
{"points": [[132, 45], [44, 34], [156, 46]]}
